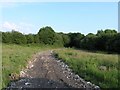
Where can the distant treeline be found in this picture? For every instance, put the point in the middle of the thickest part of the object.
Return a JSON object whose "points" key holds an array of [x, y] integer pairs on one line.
{"points": [[107, 40]]}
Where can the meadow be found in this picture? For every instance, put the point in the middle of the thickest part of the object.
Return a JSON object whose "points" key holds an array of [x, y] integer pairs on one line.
{"points": [[98, 68], [15, 58]]}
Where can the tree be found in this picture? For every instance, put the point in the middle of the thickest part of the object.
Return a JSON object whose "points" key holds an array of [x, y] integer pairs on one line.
{"points": [[75, 39], [47, 35], [36, 38], [18, 38], [58, 40], [104, 39], [89, 42], [6, 37], [30, 38], [65, 39], [116, 43]]}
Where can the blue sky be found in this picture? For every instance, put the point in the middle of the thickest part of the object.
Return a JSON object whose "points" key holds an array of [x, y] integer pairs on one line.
{"points": [[83, 17]]}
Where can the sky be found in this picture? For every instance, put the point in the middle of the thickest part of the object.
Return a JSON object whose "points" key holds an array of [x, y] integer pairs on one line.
{"points": [[83, 17]]}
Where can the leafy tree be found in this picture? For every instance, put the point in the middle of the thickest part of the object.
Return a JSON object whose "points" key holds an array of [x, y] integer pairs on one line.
{"points": [[106, 40], [109, 31], [36, 38], [59, 40], [100, 32], [65, 39], [18, 38], [116, 43], [6, 37], [30, 38], [75, 39], [47, 35], [104, 37], [89, 42]]}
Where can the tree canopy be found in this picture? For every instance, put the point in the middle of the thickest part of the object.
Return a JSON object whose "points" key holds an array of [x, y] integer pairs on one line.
{"points": [[47, 35], [106, 40]]}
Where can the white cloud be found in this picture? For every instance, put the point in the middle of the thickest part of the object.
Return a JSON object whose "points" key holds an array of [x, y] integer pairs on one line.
{"points": [[21, 27], [10, 26]]}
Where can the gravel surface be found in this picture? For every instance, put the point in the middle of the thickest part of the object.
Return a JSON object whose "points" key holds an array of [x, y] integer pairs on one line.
{"points": [[45, 71]]}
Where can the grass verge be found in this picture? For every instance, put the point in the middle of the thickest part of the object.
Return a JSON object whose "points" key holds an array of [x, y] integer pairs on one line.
{"points": [[15, 58], [100, 69]]}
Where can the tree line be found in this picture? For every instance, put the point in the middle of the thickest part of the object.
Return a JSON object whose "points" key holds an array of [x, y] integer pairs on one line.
{"points": [[104, 40]]}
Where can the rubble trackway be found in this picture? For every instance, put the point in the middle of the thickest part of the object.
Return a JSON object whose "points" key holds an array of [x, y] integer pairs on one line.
{"points": [[45, 71]]}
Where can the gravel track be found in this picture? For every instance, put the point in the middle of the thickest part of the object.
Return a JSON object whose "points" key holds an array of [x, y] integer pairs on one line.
{"points": [[45, 71]]}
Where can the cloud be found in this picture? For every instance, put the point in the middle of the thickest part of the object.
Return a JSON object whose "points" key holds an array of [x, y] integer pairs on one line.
{"points": [[10, 26], [21, 27]]}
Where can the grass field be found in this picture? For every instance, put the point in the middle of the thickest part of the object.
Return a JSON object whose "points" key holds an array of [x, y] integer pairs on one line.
{"points": [[15, 57], [100, 69]]}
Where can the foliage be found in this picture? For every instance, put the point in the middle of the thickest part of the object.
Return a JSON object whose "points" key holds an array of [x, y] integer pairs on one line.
{"points": [[75, 39], [47, 35], [18, 38], [13, 37], [58, 40], [36, 38], [6, 37], [66, 39], [30, 38], [89, 42], [105, 40]]}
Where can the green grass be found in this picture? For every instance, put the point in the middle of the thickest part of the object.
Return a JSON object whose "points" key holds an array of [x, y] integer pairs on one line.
{"points": [[15, 58], [88, 64]]}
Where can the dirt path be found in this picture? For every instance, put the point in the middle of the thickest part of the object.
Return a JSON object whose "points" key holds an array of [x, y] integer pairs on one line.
{"points": [[48, 72]]}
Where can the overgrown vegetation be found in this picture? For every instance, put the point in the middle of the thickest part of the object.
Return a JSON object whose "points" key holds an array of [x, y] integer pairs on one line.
{"points": [[18, 48], [46, 36], [107, 40], [101, 69], [15, 58]]}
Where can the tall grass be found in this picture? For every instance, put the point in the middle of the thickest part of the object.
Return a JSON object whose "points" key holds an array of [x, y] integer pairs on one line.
{"points": [[15, 58], [101, 69]]}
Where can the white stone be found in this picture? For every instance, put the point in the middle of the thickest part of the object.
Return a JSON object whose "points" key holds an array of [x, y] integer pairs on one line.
{"points": [[97, 87], [27, 83]]}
